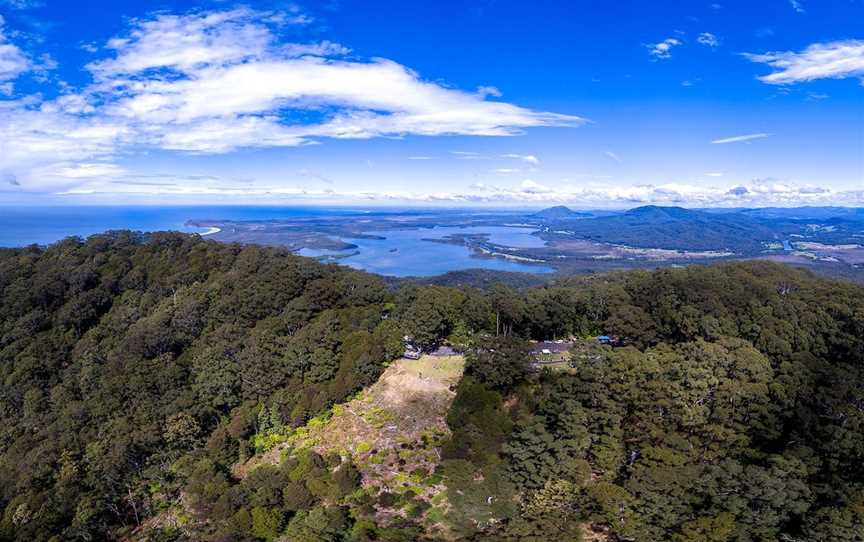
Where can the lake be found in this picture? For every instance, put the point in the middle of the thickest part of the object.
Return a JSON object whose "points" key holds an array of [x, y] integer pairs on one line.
{"points": [[402, 253], [405, 253]]}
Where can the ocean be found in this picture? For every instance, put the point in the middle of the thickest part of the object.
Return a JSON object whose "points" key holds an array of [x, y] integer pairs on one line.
{"points": [[401, 253], [21, 226]]}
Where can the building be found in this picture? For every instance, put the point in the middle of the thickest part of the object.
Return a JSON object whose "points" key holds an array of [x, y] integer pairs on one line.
{"points": [[611, 340], [548, 352]]}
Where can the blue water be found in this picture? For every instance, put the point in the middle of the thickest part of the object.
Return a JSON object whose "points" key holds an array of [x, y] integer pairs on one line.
{"points": [[500, 235], [20, 226], [402, 253]]}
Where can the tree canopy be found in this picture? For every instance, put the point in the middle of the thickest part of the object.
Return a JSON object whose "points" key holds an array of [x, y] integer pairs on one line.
{"points": [[139, 371]]}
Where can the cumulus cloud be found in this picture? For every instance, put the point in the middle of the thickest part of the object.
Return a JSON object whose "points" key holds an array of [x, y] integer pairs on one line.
{"points": [[13, 61], [740, 138], [708, 39], [532, 187], [755, 193], [663, 49], [213, 82], [833, 60]]}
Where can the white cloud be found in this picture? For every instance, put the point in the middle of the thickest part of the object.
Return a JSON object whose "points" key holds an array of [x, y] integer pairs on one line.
{"points": [[708, 39], [467, 155], [833, 60], [86, 170], [529, 159], [755, 193], [489, 91], [22, 4], [740, 138], [612, 156], [505, 170], [797, 6], [323, 48], [531, 187], [13, 61], [717, 174], [228, 67], [663, 49], [213, 82]]}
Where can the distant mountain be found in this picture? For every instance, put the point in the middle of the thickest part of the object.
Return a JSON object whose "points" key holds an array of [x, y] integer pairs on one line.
{"points": [[656, 212], [806, 213], [560, 212], [677, 228]]}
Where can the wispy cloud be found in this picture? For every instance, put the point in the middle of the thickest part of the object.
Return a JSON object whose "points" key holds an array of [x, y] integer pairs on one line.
{"points": [[613, 156], [798, 6], [708, 39], [22, 4], [467, 155], [86, 170], [740, 138], [663, 49], [833, 60], [315, 175], [217, 81], [529, 159]]}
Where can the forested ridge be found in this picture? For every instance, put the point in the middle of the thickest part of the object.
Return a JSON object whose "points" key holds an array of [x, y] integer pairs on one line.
{"points": [[138, 371]]}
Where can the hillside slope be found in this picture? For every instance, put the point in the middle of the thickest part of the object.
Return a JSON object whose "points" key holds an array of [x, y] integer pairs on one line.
{"points": [[392, 431], [144, 376]]}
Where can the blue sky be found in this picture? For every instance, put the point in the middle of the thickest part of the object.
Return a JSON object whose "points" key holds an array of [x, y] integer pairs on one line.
{"points": [[726, 103]]}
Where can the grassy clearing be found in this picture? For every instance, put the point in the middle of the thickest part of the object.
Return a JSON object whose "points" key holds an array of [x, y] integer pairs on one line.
{"points": [[392, 430]]}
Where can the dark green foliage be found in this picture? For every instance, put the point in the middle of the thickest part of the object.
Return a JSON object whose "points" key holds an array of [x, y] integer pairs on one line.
{"points": [[121, 354], [138, 369], [732, 415], [500, 362]]}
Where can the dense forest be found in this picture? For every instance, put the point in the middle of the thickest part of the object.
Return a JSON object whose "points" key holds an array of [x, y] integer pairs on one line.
{"points": [[139, 370]]}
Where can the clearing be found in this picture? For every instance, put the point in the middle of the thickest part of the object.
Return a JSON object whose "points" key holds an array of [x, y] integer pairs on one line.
{"points": [[392, 430]]}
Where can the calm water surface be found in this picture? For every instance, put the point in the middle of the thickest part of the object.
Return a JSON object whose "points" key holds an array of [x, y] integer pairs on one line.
{"points": [[402, 253]]}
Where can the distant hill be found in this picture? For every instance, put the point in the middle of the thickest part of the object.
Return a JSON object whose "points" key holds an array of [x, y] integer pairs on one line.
{"points": [[677, 228], [806, 213], [560, 212]]}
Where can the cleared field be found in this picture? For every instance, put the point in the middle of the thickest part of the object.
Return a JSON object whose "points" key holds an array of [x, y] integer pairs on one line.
{"points": [[392, 430]]}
